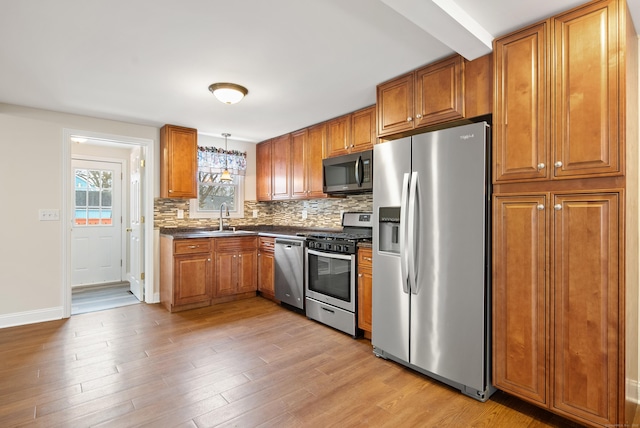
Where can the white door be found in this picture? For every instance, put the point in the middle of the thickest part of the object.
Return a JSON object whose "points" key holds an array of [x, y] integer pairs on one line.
{"points": [[96, 237], [136, 228]]}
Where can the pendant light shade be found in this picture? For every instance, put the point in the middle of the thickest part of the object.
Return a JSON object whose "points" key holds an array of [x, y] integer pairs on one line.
{"points": [[228, 93], [226, 175]]}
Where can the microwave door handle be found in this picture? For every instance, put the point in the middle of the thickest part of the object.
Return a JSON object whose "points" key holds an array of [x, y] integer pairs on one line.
{"points": [[358, 178], [404, 269]]}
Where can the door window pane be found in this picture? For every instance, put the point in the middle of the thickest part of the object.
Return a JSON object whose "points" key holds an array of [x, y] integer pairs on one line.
{"points": [[93, 201]]}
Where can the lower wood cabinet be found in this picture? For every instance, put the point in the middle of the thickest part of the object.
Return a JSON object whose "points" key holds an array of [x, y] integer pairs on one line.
{"points": [[365, 283], [557, 302], [236, 268], [186, 273], [200, 272], [266, 267]]}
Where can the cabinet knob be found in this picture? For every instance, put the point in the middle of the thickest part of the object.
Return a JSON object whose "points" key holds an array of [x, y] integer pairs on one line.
{"points": [[208, 260], [240, 255], [557, 207], [541, 165], [360, 275], [409, 119], [234, 256], [170, 191], [540, 207], [558, 164], [259, 254], [418, 116], [367, 258]]}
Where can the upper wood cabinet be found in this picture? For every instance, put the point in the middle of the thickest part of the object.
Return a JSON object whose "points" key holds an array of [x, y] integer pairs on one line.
{"points": [[558, 100], [281, 167], [307, 147], [351, 133], [178, 162], [263, 171]]}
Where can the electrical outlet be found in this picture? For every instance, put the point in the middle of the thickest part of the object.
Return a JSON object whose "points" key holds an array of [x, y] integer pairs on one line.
{"points": [[49, 215], [255, 213], [304, 214], [180, 214]]}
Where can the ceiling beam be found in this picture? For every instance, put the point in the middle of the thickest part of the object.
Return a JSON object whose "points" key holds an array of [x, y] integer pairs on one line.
{"points": [[448, 23]]}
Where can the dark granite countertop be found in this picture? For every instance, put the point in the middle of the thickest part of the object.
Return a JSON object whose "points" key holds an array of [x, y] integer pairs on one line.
{"points": [[262, 230]]}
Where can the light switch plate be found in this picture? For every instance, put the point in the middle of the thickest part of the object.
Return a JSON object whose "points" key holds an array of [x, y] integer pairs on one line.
{"points": [[255, 213], [49, 215], [180, 214]]}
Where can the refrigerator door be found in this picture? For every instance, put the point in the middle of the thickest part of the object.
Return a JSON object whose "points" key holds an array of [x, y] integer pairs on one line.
{"points": [[448, 309], [390, 306]]}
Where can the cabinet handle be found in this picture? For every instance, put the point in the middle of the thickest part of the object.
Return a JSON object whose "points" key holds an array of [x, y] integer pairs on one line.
{"points": [[409, 119], [541, 165], [208, 260], [540, 207], [240, 255], [170, 191], [259, 254], [194, 246], [418, 116], [234, 256], [360, 275], [367, 258], [557, 207], [558, 164]]}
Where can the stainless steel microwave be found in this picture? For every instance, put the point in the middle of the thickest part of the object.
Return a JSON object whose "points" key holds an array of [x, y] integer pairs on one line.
{"points": [[352, 173]]}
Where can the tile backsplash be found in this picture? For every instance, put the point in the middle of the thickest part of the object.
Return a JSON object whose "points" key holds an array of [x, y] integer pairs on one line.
{"points": [[321, 213]]}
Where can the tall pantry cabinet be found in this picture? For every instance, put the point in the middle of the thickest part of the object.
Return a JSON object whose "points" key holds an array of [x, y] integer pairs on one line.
{"points": [[565, 214]]}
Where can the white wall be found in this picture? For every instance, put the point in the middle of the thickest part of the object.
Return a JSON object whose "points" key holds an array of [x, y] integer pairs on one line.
{"points": [[31, 175]]}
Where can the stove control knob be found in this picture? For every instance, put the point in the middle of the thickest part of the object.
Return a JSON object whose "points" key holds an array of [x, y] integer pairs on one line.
{"points": [[338, 248], [329, 247]]}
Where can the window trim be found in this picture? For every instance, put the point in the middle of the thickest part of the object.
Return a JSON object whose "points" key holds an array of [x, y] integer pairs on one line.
{"points": [[194, 212]]}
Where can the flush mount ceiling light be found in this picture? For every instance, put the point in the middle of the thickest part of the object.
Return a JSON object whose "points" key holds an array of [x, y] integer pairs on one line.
{"points": [[228, 93], [226, 176]]}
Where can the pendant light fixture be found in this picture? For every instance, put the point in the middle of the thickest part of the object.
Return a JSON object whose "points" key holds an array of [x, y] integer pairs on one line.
{"points": [[226, 175], [228, 93]]}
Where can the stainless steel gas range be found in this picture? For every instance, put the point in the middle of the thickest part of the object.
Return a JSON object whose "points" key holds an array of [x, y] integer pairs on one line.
{"points": [[330, 273]]}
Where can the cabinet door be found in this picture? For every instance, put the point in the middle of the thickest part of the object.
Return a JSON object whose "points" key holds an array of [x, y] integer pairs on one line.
{"points": [[263, 171], [266, 271], [179, 162], [363, 129], [316, 139], [438, 93], [339, 136], [193, 281], [586, 85], [395, 105], [520, 298], [281, 167], [478, 86], [365, 284], [520, 122], [226, 277], [247, 271], [585, 306], [299, 164]]}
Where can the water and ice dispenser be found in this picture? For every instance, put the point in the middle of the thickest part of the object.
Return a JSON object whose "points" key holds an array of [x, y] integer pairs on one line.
{"points": [[389, 229]]}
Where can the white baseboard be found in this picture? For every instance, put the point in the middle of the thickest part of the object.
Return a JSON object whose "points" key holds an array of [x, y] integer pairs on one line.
{"points": [[31, 317], [156, 298]]}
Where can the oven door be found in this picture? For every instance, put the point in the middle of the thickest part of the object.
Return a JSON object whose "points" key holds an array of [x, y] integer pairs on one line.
{"points": [[331, 278]]}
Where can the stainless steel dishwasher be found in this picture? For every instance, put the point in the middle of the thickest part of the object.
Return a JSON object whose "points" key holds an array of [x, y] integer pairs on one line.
{"points": [[289, 275]]}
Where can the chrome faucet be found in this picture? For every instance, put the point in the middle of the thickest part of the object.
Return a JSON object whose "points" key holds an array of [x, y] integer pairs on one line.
{"points": [[224, 204]]}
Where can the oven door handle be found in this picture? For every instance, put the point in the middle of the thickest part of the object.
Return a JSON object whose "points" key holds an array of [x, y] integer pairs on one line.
{"points": [[330, 255]]}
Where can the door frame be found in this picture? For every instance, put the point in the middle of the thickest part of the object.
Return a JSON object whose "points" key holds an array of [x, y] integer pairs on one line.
{"points": [[65, 224]]}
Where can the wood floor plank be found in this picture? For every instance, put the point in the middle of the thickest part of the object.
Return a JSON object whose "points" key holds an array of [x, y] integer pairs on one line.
{"points": [[242, 363]]}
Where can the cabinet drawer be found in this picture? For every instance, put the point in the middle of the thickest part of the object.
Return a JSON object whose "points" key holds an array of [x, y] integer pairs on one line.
{"points": [[232, 244], [266, 245], [364, 257], [189, 246]]}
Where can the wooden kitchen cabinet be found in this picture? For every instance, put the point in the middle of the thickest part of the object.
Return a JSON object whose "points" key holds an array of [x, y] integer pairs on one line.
{"points": [[365, 284], [236, 266], [178, 162], [433, 94], [363, 129], [307, 148], [338, 136], [263, 171], [266, 267], [281, 167], [556, 334], [557, 98], [186, 273]]}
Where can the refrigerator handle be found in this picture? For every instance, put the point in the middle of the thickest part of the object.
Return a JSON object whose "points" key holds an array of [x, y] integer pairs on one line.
{"points": [[403, 233], [414, 200]]}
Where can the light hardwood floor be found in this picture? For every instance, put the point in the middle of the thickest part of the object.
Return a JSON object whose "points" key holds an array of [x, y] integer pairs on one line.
{"points": [[246, 363]]}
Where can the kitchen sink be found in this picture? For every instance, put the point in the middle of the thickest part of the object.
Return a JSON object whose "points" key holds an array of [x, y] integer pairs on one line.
{"points": [[213, 233]]}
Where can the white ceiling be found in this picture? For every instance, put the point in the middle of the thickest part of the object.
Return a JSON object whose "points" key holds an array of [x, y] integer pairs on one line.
{"points": [[150, 62]]}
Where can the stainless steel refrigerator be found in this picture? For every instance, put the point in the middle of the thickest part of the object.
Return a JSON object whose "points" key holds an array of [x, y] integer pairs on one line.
{"points": [[431, 258]]}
